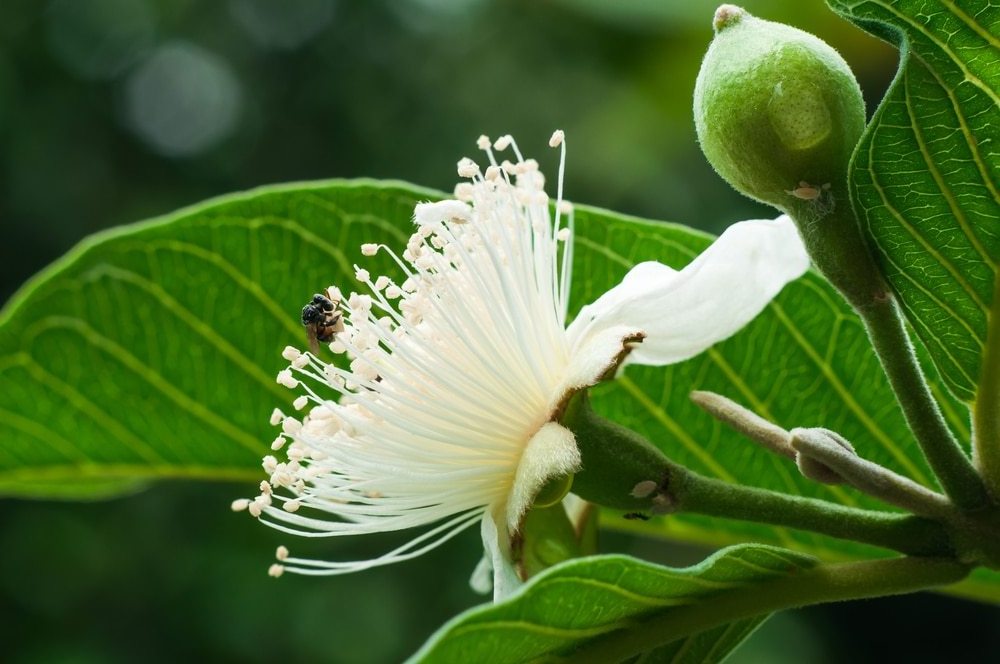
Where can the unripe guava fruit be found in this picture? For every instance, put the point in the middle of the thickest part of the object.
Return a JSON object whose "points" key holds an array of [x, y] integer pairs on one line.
{"points": [[777, 110]]}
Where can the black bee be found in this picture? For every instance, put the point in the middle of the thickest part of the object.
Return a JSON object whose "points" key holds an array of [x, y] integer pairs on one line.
{"points": [[322, 320]]}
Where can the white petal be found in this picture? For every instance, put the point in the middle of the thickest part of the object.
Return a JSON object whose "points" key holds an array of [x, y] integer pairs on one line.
{"points": [[593, 357], [683, 313], [481, 580], [550, 453], [496, 541]]}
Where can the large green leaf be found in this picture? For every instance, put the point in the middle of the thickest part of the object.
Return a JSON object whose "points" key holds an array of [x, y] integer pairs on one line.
{"points": [[149, 353], [583, 601], [926, 175]]}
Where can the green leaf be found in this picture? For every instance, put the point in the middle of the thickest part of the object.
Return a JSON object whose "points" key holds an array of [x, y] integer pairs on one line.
{"points": [[614, 608], [926, 176], [577, 603], [150, 353]]}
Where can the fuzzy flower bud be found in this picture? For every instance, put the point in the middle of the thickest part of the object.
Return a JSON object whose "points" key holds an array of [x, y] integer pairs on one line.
{"points": [[777, 110]]}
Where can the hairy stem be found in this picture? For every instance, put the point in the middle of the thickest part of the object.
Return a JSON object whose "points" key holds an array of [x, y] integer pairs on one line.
{"points": [[949, 462], [819, 585], [767, 434], [616, 460], [913, 535], [840, 251], [869, 477], [986, 414]]}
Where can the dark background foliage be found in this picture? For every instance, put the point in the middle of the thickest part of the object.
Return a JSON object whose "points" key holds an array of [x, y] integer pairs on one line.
{"points": [[117, 110]]}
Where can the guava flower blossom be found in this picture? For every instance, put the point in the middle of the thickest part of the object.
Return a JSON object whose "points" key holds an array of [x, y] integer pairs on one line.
{"points": [[441, 414]]}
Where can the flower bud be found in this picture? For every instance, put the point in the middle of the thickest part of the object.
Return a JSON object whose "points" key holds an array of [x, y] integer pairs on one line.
{"points": [[809, 465], [778, 112]]}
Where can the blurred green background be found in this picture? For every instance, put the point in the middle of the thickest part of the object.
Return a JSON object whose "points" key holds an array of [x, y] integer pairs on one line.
{"points": [[117, 110]]}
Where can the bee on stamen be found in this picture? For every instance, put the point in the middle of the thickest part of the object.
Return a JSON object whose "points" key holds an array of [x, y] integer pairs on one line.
{"points": [[322, 320]]}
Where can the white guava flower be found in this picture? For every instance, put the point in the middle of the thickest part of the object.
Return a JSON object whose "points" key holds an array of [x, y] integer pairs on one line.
{"points": [[442, 415]]}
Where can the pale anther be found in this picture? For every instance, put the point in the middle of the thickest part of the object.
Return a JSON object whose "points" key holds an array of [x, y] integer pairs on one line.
{"points": [[467, 168], [285, 378]]}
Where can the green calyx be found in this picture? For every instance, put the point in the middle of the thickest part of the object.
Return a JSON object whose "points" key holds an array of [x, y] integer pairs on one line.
{"points": [[621, 469], [778, 112]]}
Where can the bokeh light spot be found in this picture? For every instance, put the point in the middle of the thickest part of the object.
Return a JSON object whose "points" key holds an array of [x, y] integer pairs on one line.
{"points": [[182, 100]]}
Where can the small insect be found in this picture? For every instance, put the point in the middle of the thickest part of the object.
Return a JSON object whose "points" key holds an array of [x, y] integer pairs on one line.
{"points": [[633, 516], [808, 192], [322, 320]]}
